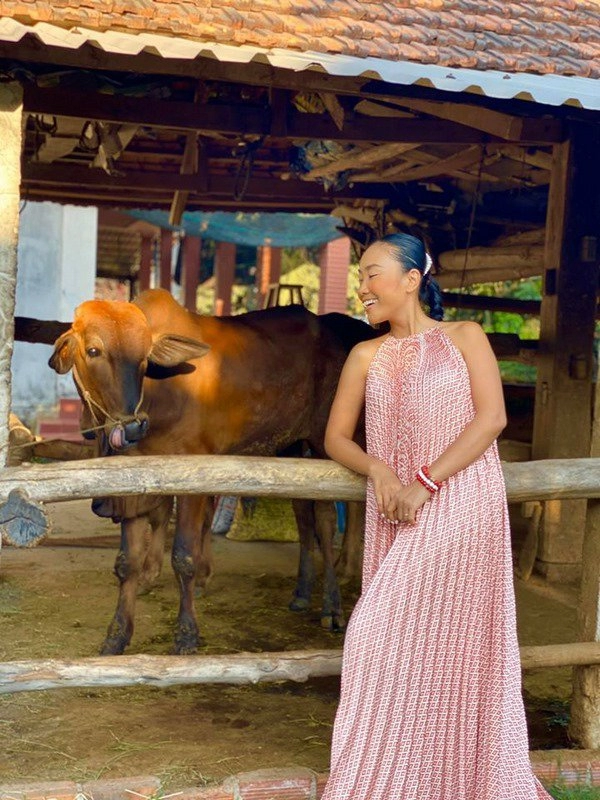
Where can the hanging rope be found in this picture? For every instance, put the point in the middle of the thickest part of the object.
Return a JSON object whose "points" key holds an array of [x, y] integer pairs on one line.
{"points": [[247, 153], [476, 195]]}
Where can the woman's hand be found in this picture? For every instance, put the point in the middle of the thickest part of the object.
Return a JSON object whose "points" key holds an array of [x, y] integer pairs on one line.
{"points": [[387, 487], [408, 501]]}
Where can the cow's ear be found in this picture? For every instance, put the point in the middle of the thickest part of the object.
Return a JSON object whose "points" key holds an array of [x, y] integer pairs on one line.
{"points": [[63, 357], [170, 350]]}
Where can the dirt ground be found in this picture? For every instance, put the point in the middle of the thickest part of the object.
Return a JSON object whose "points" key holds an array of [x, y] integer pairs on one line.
{"points": [[56, 601]]}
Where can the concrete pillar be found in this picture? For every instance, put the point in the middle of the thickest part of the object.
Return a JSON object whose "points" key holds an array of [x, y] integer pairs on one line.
{"points": [[334, 262], [562, 419], [145, 273], [191, 269], [224, 275], [166, 259], [11, 112], [268, 270], [57, 272]]}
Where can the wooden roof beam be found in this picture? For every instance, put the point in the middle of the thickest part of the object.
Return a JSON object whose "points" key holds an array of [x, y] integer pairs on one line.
{"points": [[240, 120], [60, 176], [497, 123]]}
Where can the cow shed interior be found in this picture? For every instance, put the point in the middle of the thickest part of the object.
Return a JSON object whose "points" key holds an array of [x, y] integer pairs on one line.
{"points": [[500, 188]]}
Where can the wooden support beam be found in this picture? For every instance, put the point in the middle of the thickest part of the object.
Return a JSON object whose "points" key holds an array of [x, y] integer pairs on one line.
{"points": [[11, 96], [584, 726], [232, 668], [238, 119], [254, 476], [189, 166], [562, 418], [480, 302], [84, 179], [504, 126]]}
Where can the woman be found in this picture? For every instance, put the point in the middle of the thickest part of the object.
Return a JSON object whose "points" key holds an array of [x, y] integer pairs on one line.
{"points": [[430, 705]]}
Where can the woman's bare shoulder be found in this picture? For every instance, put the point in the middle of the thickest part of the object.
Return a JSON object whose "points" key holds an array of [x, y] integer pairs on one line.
{"points": [[464, 332], [362, 353]]}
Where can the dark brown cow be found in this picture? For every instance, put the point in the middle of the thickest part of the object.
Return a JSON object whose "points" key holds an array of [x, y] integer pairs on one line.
{"points": [[156, 379]]}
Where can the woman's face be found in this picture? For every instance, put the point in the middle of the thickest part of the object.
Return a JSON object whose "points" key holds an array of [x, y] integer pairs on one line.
{"points": [[384, 287]]}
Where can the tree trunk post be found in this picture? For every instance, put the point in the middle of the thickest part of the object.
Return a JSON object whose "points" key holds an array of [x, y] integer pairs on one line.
{"points": [[11, 108]]}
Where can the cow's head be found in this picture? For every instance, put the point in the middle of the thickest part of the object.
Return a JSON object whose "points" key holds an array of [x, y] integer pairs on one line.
{"points": [[109, 348]]}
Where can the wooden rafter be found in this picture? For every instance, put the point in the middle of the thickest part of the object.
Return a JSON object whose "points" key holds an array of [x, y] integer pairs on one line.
{"points": [[241, 120]]}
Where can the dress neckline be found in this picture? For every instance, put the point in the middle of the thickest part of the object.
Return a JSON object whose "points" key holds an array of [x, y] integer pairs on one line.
{"points": [[414, 335]]}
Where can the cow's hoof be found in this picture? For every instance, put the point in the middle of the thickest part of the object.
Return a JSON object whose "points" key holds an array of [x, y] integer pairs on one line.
{"points": [[188, 647], [299, 604], [335, 623], [113, 647]]}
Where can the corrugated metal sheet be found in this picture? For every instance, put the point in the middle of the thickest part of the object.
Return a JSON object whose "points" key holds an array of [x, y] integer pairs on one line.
{"points": [[554, 90]]}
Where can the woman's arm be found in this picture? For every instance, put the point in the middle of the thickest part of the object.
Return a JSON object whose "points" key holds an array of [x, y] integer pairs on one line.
{"points": [[345, 411], [488, 400]]}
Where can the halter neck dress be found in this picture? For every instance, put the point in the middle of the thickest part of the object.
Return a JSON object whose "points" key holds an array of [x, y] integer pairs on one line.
{"points": [[430, 705]]}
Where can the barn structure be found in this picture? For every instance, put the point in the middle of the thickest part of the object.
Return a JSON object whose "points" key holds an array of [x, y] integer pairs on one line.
{"points": [[477, 124]]}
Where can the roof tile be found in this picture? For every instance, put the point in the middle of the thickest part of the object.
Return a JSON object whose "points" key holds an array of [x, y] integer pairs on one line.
{"points": [[538, 36]]}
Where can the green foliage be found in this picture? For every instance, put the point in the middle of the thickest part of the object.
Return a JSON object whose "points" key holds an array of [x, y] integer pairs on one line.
{"points": [[561, 792], [526, 326]]}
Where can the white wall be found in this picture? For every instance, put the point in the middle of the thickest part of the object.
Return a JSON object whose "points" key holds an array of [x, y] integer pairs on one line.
{"points": [[56, 270]]}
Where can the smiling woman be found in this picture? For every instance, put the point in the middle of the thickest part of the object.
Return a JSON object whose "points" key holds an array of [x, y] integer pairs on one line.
{"points": [[431, 701]]}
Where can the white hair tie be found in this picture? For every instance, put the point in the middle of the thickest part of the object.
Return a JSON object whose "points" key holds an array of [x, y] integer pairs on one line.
{"points": [[428, 263]]}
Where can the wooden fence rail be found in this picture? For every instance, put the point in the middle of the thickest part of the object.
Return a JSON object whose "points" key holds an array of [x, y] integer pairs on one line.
{"points": [[234, 668], [251, 476]]}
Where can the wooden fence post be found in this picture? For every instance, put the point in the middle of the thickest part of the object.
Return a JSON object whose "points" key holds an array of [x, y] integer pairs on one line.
{"points": [[11, 106]]}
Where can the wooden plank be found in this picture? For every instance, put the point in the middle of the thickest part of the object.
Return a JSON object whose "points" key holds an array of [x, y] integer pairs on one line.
{"points": [[232, 668], [239, 119], [254, 476], [527, 257], [486, 303], [442, 166]]}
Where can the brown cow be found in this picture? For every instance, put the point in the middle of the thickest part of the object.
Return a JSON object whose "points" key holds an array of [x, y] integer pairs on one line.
{"points": [[166, 381]]}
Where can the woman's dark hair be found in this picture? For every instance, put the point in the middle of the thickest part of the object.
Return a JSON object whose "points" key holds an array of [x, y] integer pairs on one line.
{"points": [[409, 251]]}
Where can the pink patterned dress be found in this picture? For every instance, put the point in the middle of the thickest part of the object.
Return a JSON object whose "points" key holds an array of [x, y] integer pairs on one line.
{"points": [[430, 705]]}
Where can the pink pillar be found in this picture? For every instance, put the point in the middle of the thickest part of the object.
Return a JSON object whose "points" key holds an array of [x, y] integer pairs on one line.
{"points": [[145, 263], [191, 267], [166, 247], [334, 262], [268, 270], [224, 274]]}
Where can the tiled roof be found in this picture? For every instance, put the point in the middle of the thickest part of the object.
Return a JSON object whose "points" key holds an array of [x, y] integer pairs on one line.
{"points": [[560, 37]]}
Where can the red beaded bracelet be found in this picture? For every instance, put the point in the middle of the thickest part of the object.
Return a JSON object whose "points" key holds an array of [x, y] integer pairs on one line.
{"points": [[425, 471], [427, 481]]}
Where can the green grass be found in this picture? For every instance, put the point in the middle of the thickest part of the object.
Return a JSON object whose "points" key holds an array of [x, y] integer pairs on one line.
{"points": [[561, 792]]}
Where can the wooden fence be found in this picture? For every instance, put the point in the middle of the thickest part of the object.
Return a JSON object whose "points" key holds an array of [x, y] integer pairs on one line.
{"points": [[293, 478]]}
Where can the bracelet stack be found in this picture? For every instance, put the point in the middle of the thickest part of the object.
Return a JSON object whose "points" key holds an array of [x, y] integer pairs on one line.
{"points": [[427, 481]]}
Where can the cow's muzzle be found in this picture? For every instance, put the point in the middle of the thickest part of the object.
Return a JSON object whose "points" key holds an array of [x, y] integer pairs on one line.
{"points": [[127, 432]]}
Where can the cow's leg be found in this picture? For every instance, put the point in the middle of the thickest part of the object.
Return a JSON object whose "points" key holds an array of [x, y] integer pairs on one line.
{"points": [[349, 563], [128, 567], [159, 524], [188, 559], [332, 615], [304, 512]]}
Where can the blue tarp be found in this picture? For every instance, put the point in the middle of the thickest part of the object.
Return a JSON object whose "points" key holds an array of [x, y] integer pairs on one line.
{"points": [[278, 229]]}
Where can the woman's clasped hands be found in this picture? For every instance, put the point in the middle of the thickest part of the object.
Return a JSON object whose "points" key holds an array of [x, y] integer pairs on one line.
{"points": [[395, 502]]}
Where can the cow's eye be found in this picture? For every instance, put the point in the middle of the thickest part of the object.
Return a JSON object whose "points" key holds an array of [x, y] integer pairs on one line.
{"points": [[93, 352]]}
